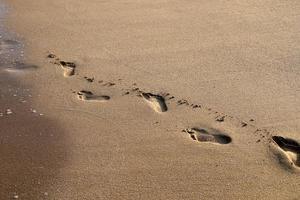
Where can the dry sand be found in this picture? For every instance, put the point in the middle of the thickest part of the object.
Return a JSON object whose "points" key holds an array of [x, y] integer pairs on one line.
{"points": [[155, 100]]}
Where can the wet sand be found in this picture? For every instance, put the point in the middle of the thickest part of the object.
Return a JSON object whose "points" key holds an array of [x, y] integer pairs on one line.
{"points": [[33, 147], [161, 99]]}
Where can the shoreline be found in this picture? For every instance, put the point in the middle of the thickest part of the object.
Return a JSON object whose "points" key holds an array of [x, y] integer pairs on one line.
{"points": [[158, 116], [29, 150]]}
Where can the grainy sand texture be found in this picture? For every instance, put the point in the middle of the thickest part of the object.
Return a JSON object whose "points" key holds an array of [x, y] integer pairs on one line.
{"points": [[150, 100]]}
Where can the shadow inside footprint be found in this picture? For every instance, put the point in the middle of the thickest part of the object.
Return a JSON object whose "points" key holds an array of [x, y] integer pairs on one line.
{"points": [[157, 102], [290, 147], [208, 135], [89, 96]]}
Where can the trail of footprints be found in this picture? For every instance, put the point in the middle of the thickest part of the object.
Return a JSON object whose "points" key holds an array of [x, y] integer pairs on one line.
{"points": [[289, 147]]}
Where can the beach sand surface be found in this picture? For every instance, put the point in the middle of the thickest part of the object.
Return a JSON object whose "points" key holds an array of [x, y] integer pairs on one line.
{"points": [[156, 100]]}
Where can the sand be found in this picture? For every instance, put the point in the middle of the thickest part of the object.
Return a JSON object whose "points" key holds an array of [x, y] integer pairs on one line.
{"points": [[154, 100]]}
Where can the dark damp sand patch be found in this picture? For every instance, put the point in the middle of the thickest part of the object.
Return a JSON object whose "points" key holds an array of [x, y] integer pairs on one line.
{"points": [[85, 95], [156, 102], [7, 44], [19, 67], [208, 135], [291, 149], [10, 52], [32, 148]]}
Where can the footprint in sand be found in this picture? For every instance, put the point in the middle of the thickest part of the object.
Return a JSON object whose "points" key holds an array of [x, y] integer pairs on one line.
{"points": [[68, 67], [208, 135], [291, 149], [157, 102], [89, 96]]}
